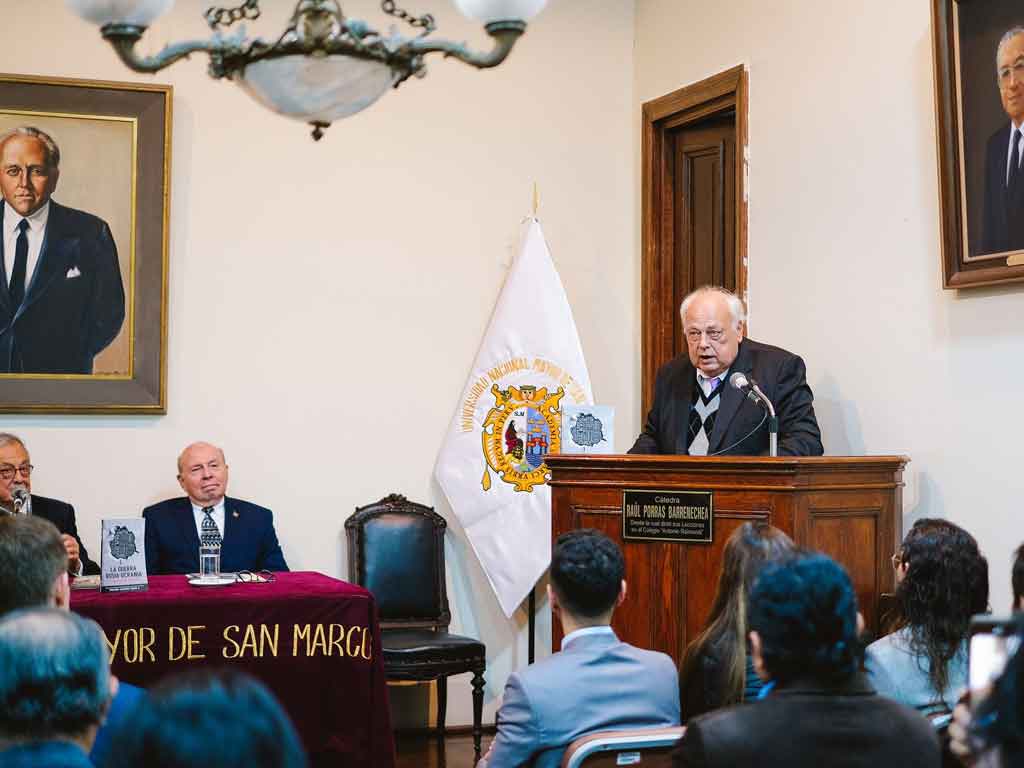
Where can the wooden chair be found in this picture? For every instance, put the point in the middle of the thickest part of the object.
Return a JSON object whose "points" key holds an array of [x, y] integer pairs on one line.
{"points": [[646, 747], [396, 550]]}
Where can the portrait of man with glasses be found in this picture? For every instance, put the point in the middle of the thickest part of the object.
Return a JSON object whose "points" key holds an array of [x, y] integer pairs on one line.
{"points": [[697, 412], [16, 497], [1004, 188]]}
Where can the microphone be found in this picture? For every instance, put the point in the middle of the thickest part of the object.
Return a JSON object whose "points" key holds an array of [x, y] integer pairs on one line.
{"points": [[740, 381], [22, 499]]}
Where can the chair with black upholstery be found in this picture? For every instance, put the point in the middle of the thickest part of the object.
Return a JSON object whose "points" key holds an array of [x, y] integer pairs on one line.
{"points": [[396, 550]]}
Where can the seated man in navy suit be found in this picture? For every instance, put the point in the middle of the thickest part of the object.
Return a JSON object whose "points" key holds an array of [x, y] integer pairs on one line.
{"points": [[175, 527]]}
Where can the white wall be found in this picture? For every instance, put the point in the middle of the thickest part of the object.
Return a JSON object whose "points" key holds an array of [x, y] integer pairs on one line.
{"points": [[327, 299], [844, 245]]}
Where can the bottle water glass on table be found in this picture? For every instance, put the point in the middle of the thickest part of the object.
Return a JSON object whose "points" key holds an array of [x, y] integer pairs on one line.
{"points": [[209, 561]]}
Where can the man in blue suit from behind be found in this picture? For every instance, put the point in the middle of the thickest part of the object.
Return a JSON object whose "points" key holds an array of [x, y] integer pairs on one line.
{"points": [[174, 527], [596, 682]]}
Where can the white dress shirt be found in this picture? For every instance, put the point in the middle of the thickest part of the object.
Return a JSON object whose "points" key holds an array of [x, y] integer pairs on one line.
{"points": [[36, 232], [217, 515], [705, 381], [1009, 148], [603, 629]]}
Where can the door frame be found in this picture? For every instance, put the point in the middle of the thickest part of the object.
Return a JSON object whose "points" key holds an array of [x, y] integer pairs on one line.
{"points": [[686, 106]]}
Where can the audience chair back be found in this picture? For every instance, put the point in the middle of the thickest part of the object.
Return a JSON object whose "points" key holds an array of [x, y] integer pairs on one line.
{"points": [[396, 550], [646, 747]]}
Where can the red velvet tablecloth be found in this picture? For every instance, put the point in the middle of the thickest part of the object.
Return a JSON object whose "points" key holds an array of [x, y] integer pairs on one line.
{"points": [[312, 639]]}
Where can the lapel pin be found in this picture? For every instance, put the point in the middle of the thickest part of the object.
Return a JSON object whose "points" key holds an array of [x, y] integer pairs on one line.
{"points": [[235, 513]]}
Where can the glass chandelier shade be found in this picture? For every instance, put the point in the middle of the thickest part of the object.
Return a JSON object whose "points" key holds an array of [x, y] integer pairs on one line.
{"points": [[316, 90], [140, 13], [491, 11]]}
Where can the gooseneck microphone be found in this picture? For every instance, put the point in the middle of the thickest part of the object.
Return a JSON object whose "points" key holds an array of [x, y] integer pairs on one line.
{"points": [[743, 383]]}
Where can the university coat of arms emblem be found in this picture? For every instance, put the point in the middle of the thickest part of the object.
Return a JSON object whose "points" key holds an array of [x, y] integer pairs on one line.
{"points": [[518, 432]]}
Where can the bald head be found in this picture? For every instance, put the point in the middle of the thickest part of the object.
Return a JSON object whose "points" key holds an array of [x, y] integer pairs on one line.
{"points": [[713, 325], [203, 473]]}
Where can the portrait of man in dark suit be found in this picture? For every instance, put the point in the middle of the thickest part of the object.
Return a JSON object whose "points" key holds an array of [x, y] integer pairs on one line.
{"points": [[1003, 228], [62, 300]]}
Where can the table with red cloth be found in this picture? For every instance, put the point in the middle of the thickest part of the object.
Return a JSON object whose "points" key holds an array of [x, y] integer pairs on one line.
{"points": [[313, 640]]}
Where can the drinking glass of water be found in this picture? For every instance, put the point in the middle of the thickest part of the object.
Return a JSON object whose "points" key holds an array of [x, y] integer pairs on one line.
{"points": [[209, 561]]}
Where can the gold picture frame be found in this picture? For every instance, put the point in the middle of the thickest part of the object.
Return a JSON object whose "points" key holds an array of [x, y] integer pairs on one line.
{"points": [[113, 185]]}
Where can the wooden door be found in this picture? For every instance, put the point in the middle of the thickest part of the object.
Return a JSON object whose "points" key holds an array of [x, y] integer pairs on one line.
{"points": [[703, 190], [694, 218]]}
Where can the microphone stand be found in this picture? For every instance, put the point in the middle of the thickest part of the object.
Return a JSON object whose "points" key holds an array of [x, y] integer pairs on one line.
{"points": [[773, 420]]}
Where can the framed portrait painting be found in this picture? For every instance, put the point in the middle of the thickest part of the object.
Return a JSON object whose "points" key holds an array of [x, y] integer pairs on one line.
{"points": [[85, 178], [979, 93]]}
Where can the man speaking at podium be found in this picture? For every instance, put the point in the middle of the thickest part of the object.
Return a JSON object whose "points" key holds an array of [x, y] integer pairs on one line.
{"points": [[701, 406]]}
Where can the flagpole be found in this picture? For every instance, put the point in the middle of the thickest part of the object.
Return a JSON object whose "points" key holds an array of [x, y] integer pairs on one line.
{"points": [[531, 607], [531, 600]]}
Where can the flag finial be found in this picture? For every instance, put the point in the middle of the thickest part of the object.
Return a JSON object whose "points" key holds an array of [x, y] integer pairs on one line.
{"points": [[536, 199]]}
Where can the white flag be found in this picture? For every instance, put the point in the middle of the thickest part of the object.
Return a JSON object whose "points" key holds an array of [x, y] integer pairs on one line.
{"points": [[491, 466]]}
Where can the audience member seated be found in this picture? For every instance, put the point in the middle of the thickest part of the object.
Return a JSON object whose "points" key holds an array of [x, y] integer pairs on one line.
{"points": [[818, 709], [716, 670], [943, 581], [1017, 578], [209, 719], [595, 682], [33, 562], [993, 737], [55, 686], [15, 473], [175, 527]]}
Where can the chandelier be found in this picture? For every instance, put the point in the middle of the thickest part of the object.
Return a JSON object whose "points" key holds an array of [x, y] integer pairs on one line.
{"points": [[324, 66]]}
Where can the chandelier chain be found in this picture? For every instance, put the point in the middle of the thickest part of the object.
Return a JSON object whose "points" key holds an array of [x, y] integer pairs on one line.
{"points": [[424, 22], [225, 17]]}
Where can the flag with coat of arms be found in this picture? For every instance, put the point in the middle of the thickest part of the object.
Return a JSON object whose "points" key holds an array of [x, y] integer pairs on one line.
{"points": [[491, 465]]}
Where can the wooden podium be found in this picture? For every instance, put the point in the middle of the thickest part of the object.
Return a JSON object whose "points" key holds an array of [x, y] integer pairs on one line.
{"points": [[849, 507]]}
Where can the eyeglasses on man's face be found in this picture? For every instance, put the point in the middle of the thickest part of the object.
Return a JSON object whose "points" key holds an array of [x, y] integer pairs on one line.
{"points": [[8, 471], [714, 334]]}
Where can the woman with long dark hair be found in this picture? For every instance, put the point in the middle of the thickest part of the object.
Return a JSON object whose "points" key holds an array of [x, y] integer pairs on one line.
{"points": [[716, 669], [943, 581]]}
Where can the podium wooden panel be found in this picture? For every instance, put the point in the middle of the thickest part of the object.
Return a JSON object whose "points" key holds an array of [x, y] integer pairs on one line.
{"points": [[849, 507]]}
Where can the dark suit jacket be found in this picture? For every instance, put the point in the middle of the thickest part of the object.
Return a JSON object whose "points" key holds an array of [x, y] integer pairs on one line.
{"points": [[74, 305], [1003, 228], [172, 542], [805, 724], [127, 698], [782, 377], [62, 515], [45, 754]]}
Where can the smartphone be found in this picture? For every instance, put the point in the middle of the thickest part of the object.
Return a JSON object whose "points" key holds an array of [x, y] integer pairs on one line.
{"points": [[993, 640]]}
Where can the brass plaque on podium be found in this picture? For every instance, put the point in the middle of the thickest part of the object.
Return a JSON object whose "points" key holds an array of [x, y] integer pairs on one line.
{"points": [[684, 516]]}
